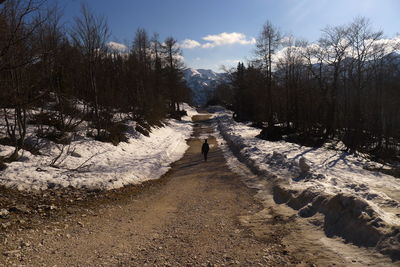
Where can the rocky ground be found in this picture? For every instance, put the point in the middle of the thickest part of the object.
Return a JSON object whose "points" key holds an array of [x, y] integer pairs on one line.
{"points": [[198, 214]]}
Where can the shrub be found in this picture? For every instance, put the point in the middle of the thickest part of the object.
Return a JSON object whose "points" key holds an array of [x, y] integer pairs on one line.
{"points": [[55, 136], [143, 127], [272, 133], [114, 134], [177, 115], [306, 139]]}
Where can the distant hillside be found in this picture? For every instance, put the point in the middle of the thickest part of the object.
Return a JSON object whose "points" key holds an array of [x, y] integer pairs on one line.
{"points": [[203, 83]]}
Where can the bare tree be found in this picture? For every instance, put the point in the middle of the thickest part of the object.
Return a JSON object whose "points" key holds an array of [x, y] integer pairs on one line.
{"points": [[90, 34], [172, 55], [267, 44], [17, 54], [290, 65], [141, 51], [362, 40], [343, 87], [334, 44]]}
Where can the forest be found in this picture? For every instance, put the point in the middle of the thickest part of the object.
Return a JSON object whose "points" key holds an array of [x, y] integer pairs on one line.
{"points": [[56, 76], [345, 87]]}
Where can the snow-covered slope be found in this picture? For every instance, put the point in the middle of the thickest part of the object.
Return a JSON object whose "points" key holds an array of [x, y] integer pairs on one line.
{"points": [[91, 164], [359, 205], [202, 82]]}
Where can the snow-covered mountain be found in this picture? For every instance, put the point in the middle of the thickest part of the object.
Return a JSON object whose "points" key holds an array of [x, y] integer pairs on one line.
{"points": [[203, 83]]}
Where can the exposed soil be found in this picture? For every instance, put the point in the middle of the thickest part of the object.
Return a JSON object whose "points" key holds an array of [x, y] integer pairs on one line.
{"points": [[198, 214]]}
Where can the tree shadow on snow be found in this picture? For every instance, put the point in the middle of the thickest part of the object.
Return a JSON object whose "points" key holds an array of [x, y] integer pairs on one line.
{"points": [[305, 152], [342, 157]]}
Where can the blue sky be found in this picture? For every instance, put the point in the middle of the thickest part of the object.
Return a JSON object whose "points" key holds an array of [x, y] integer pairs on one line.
{"points": [[204, 21]]}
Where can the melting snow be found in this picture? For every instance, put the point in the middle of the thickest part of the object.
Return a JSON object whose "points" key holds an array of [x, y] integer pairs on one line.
{"points": [[102, 165], [331, 171]]}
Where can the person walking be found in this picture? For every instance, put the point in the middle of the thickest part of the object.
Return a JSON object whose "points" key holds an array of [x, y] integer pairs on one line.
{"points": [[204, 149]]}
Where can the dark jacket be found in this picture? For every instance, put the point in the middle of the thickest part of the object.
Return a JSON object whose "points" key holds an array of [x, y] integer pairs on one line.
{"points": [[205, 148]]}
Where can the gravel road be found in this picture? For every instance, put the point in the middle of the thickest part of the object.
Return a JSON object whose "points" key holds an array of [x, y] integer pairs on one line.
{"points": [[198, 214]]}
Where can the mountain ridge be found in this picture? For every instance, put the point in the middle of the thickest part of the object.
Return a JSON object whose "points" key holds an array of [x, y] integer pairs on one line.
{"points": [[202, 82]]}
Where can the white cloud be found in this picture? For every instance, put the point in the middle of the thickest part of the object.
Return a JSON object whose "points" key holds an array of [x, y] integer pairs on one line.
{"points": [[218, 40], [227, 39], [189, 44], [117, 46]]}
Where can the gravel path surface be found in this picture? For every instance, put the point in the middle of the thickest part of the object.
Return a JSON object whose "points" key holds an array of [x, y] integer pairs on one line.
{"points": [[198, 214]]}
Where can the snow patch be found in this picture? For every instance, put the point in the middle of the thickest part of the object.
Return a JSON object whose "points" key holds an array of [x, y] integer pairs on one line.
{"points": [[93, 165], [359, 205]]}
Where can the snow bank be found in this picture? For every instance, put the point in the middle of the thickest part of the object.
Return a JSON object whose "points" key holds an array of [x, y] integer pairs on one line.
{"points": [[360, 205], [96, 165], [191, 111]]}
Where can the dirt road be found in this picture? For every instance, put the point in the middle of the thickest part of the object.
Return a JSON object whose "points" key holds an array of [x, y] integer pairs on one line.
{"points": [[198, 214]]}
